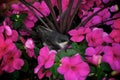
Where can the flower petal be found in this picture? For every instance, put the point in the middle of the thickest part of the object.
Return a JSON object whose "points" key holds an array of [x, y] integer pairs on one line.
{"points": [[50, 61]]}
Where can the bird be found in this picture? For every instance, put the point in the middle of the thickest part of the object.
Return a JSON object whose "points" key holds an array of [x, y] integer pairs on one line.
{"points": [[51, 38]]}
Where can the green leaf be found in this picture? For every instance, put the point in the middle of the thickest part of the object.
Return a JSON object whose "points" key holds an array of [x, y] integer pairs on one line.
{"points": [[54, 69], [13, 17], [18, 20], [80, 47], [100, 75], [105, 67], [36, 49], [17, 25], [22, 16], [15, 75], [68, 52], [92, 69], [61, 54], [75, 46], [18, 17], [57, 59], [25, 68], [20, 46]]}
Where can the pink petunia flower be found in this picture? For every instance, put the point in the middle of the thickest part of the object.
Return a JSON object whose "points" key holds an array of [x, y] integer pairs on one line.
{"points": [[9, 33], [95, 38], [29, 45], [78, 35], [29, 23], [54, 2], [96, 20], [107, 38], [5, 46], [112, 56], [116, 24], [114, 8], [84, 7], [106, 1], [65, 4], [16, 8], [103, 14], [30, 20], [45, 59], [13, 36], [42, 73], [11, 61], [115, 35], [1, 29], [42, 7], [73, 68], [93, 55], [7, 29]]}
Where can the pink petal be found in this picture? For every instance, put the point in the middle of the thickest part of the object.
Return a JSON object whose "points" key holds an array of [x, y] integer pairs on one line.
{"points": [[30, 52], [108, 55], [1, 29], [96, 59], [50, 61], [81, 30], [77, 38], [43, 8], [87, 30], [37, 69], [29, 44], [41, 60], [107, 38], [73, 32], [48, 73], [18, 63], [8, 68], [1, 41], [64, 67], [76, 59], [117, 39], [14, 36], [84, 69], [17, 53], [114, 8], [99, 49], [41, 74], [31, 17], [106, 1], [96, 20], [64, 4], [116, 65], [8, 30], [90, 51], [70, 75], [44, 51], [97, 33], [29, 23]]}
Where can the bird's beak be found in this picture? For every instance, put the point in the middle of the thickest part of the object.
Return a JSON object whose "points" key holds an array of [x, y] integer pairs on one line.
{"points": [[63, 44]]}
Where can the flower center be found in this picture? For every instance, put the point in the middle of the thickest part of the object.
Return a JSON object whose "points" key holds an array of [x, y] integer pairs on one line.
{"points": [[73, 68]]}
